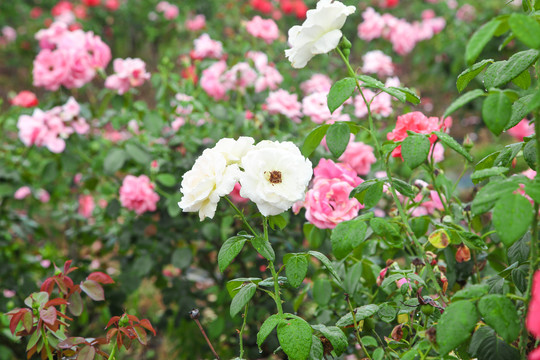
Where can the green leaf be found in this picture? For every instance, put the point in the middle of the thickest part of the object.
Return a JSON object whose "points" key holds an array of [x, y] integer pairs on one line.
{"points": [[501, 72], [87, 353], [181, 258], [512, 216], [485, 345], [533, 189], [519, 252], [519, 277], [229, 250], [138, 154], [410, 95], [337, 138], [234, 285], [453, 144], [153, 123], [296, 268], [534, 102], [519, 110], [466, 76], [523, 80], [368, 193], [114, 161], [489, 194], [479, 40], [335, 335], [471, 292], [313, 139], [463, 100], [264, 248], [279, 221], [93, 289], [295, 338], [346, 236], [167, 179], [266, 328], [317, 351], [387, 312], [529, 154], [415, 150], [322, 258], [526, 29], [340, 92], [455, 325], [480, 175], [496, 112], [322, 291], [404, 188], [401, 93], [361, 313], [242, 298]]}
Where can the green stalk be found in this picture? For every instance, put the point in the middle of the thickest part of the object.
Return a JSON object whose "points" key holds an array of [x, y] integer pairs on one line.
{"points": [[46, 343], [402, 213], [240, 335], [113, 352], [356, 329]]}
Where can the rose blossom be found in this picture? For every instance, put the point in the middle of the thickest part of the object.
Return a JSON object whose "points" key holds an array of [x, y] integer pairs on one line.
{"points": [[128, 73], [282, 102], [320, 32], [358, 156], [196, 23], [522, 129], [86, 205], [265, 29], [317, 83], [239, 77], [43, 195], [234, 150], [376, 62], [205, 47], [51, 68], [22, 193], [373, 25], [235, 195], [275, 176], [25, 99], [533, 313], [315, 106], [137, 193]]}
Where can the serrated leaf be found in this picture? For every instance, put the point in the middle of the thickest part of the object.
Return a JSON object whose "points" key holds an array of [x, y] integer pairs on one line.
{"points": [[335, 335], [326, 262], [519, 110], [489, 194], [346, 236], [512, 216], [469, 74], [529, 154], [501, 72], [167, 179], [523, 80], [453, 144], [361, 313], [471, 292], [93, 289], [337, 138], [313, 139], [266, 328], [485, 345], [75, 305], [480, 175], [526, 29], [295, 338], [234, 286], [479, 40], [229, 250], [463, 100], [340, 92], [455, 325], [496, 112], [500, 313], [296, 268], [415, 150], [316, 352], [114, 161], [264, 248], [242, 298], [519, 276]]}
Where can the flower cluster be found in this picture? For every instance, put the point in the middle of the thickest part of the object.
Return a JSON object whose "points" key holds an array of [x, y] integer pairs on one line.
{"points": [[274, 175], [196, 23], [7, 35], [137, 194], [265, 29], [533, 314], [51, 128], [403, 35], [169, 10], [68, 58], [327, 203], [296, 7], [129, 73], [205, 47]]}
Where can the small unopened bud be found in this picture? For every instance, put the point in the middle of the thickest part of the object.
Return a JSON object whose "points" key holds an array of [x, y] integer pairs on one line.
{"points": [[468, 143], [345, 43], [397, 332], [194, 314], [463, 253]]}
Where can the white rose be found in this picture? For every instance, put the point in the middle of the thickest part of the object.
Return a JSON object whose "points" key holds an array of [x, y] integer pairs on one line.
{"points": [[234, 150], [208, 180], [275, 176], [320, 32]]}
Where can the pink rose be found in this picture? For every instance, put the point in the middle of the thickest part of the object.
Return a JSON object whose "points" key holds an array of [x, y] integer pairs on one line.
{"points": [[317, 83], [239, 77], [86, 205], [358, 156], [265, 29], [51, 68], [211, 81], [129, 73], [235, 195], [533, 313], [376, 62], [328, 169], [315, 106], [282, 102], [522, 129], [137, 194], [22, 193], [205, 47], [25, 99], [372, 26], [197, 23], [43, 195]]}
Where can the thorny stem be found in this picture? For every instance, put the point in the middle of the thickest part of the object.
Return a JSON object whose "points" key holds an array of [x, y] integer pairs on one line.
{"points": [[356, 330], [241, 334], [402, 213]]}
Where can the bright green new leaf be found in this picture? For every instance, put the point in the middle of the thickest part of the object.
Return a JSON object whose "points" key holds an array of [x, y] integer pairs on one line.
{"points": [[337, 138], [340, 92], [479, 40], [295, 338], [455, 325], [415, 150], [526, 29], [469, 74], [242, 297], [496, 112], [512, 216]]}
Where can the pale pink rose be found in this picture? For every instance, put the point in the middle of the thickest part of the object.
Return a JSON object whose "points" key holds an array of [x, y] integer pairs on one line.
{"points": [[416, 122], [438, 152], [33, 129], [466, 13], [428, 14], [239, 77], [129, 73], [436, 24], [8, 35], [25, 99], [98, 51], [169, 10], [102, 203], [269, 78], [22, 193], [376, 62], [373, 25], [9, 293], [178, 123], [315, 106], [282, 102], [381, 104], [211, 81], [196, 23], [431, 203], [86, 205], [205, 47], [317, 83], [532, 321], [265, 29], [403, 37], [43, 195], [330, 170], [260, 59], [402, 282], [327, 203], [77, 178], [81, 70], [358, 156], [522, 129], [50, 37], [45, 263], [137, 194], [51, 68], [235, 195]]}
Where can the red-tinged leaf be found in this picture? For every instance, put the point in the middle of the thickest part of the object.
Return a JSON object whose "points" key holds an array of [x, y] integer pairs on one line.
{"points": [[28, 320], [68, 282], [93, 289], [141, 334], [100, 277], [30, 352], [113, 320], [33, 340], [100, 341], [111, 333], [61, 285], [56, 302], [71, 270], [146, 324], [48, 315], [119, 338], [13, 312], [54, 327], [74, 288], [15, 321], [48, 285], [75, 304], [87, 353], [133, 318], [67, 265], [64, 316], [127, 332], [70, 342], [102, 353]]}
